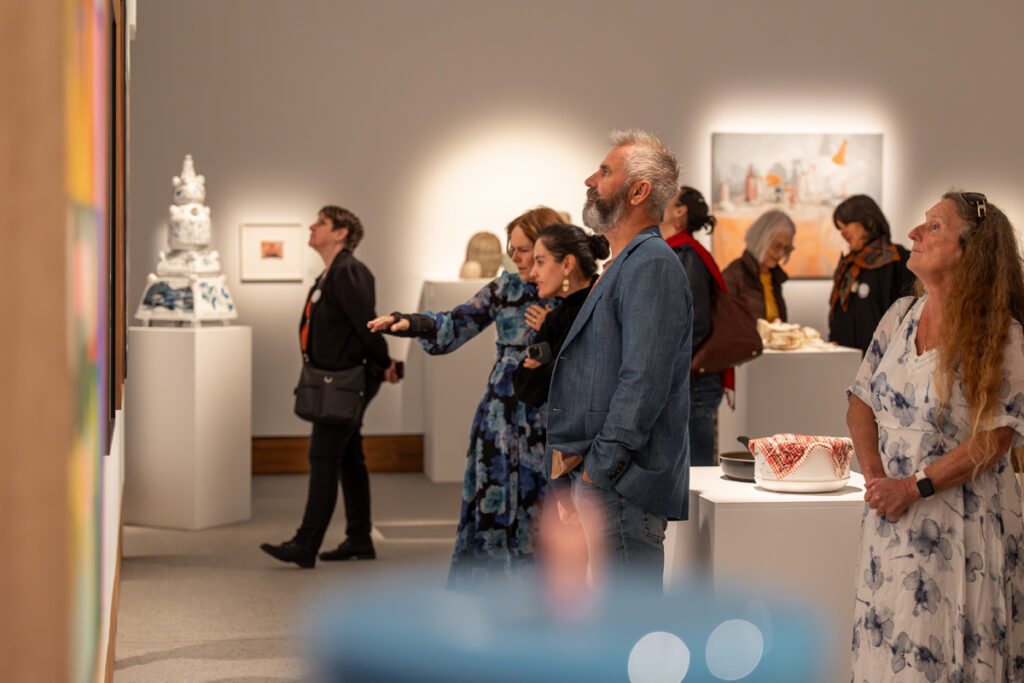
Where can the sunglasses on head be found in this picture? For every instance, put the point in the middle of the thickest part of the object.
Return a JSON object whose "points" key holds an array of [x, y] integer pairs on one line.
{"points": [[978, 201]]}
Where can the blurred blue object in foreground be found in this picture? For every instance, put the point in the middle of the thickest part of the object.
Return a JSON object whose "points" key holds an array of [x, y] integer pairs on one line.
{"points": [[401, 631]]}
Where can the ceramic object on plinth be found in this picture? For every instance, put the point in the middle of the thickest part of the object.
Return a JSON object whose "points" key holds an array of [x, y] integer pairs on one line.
{"points": [[188, 285]]}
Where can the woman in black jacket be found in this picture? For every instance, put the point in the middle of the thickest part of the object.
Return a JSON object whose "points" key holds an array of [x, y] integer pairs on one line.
{"points": [[564, 267], [870, 278], [333, 336], [684, 216]]}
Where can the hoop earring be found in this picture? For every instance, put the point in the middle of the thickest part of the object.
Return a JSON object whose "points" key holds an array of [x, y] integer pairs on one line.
{"points": [[565, 285]]}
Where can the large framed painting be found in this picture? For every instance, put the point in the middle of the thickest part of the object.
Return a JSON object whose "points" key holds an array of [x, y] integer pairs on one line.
{"points": [[272, 252], [804, 174]]}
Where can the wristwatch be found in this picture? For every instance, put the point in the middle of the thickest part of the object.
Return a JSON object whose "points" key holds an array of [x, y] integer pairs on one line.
{"points": [[924, 484]]}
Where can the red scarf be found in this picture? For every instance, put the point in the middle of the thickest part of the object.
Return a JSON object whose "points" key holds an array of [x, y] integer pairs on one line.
{"points": [[681, 239]]}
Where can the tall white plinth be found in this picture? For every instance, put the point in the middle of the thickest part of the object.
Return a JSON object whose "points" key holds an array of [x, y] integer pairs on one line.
{"points": [[453, 384], [801, 546], [188, 461]]}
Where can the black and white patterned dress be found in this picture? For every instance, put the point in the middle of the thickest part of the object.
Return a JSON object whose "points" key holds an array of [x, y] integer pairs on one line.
{"points": [[940, 592]]}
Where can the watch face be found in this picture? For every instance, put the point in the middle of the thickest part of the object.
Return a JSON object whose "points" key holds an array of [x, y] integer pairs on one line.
{"points": [[925, 487]]}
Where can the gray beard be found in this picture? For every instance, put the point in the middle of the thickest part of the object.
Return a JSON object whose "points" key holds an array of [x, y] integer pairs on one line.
{"points": [[603, 215]]}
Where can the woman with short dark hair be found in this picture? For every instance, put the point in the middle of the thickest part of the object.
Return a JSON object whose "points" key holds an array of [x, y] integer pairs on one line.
{"points": [[333, 336], [868, 279]]}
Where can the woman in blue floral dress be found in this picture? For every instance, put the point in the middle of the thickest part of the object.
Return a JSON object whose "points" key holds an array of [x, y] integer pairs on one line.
{"points": [[505, 480], [934, 411]]}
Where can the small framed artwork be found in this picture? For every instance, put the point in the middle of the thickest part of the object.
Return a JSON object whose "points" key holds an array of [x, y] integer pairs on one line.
{"points": [[272, 252]]}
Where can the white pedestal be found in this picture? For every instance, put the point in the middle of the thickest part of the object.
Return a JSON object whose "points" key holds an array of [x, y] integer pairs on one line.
{"points": [[802, 545], [188, 461], [453, 384], [789, 392]]}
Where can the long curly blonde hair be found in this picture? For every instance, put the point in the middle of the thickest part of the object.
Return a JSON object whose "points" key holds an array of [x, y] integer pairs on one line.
{"points": [[986, 294]]}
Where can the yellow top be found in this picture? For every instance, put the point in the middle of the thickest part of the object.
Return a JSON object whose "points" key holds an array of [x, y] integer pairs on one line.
{"points": [[771, 307]]}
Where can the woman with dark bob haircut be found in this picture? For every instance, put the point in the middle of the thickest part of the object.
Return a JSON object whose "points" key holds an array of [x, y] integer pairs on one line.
{"points": [[868, 279]]}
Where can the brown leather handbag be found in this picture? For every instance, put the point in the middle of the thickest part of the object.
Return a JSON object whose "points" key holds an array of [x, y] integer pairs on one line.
{"points": [[733, 340]]}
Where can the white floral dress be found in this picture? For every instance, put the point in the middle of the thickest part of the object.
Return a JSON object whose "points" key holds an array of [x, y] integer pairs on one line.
{"points": [[940, 592]]}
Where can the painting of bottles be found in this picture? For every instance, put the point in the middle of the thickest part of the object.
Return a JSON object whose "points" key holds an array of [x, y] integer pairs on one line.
{"points": [[805, 175]]}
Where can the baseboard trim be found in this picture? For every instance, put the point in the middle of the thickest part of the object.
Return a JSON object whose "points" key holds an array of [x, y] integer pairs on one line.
{"points": [[287, 455]]}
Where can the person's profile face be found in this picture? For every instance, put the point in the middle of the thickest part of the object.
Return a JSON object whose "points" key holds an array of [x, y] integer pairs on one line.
{"points": [[520, 250]]}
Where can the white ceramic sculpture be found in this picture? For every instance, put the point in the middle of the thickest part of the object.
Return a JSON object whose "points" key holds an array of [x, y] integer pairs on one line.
{"points": [[188, 285]]}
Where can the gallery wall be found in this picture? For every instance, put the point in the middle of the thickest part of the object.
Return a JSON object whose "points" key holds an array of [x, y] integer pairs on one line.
{"points": [[433, 120]]}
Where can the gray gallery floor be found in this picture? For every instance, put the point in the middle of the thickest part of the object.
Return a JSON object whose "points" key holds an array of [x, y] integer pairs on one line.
{"points": [[210, 606]]}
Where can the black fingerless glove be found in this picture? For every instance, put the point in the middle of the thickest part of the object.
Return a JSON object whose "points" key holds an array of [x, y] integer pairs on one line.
{"points": [[419, 325]]}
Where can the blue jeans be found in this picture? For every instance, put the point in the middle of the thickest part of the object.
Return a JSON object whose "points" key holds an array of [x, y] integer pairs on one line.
{"points": [[631, 539], [705, 396]]}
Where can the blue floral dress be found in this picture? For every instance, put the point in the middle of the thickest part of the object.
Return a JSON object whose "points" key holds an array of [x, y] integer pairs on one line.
{"points": [[505, 479], [940, 592]]}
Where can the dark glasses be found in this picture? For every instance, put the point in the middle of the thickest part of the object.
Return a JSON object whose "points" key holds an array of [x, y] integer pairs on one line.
{"points": [[978, 201]]}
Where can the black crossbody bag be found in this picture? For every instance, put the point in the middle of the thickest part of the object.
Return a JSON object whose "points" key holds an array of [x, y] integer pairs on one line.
{"points": [[330, 396]]}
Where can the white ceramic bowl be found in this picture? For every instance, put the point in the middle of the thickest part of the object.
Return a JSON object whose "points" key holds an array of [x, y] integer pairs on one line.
{"points": [[816, 474]]}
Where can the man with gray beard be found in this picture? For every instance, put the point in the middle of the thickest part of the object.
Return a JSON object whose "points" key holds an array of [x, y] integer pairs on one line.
{"points": [[619, 402]]}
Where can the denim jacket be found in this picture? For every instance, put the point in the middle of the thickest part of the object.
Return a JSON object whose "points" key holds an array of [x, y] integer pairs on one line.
{"points": [[620, 388]]}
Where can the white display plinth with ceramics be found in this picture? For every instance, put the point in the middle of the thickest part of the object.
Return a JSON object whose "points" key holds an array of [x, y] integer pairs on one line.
{"points": [[789, 392], [453, 384], [188, 460], [803, 545]]}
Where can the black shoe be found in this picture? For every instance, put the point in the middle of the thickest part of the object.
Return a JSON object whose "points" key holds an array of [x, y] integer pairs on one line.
{"points": [[350, 551], [291, 551]]}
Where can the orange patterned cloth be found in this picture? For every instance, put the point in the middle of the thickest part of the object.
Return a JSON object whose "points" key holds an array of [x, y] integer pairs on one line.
{"points": [[786, 452]]}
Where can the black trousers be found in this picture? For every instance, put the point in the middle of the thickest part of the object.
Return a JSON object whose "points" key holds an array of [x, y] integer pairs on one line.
{"points": [[336, 455]]}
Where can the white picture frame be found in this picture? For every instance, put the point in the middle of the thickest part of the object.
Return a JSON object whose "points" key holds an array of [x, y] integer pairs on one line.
{"points": [[272, 252]]}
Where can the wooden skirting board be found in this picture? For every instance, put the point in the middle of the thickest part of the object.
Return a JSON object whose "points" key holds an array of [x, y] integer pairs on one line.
{"points": [[287, 455]]}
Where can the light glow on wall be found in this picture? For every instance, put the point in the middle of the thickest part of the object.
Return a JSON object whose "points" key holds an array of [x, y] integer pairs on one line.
{"points": [[481, 178]]}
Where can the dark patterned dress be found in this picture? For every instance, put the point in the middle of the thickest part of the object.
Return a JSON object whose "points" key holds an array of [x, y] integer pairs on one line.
{"points": [[939, 593], [505, 480]]}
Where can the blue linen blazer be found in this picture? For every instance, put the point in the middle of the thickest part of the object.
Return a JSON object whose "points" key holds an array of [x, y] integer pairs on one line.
{"points": [[620, 388]]}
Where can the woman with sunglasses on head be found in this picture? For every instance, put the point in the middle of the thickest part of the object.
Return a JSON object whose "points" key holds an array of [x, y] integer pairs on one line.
{"points": [[505, 478], [935, 409], [868, 279], [686, 215], [756, 277]]}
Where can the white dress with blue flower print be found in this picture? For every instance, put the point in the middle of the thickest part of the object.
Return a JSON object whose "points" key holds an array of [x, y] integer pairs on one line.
{"points": [[940, 592]]}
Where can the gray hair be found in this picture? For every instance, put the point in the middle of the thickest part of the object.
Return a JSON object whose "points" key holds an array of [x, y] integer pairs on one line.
{"points": [[760, 233], [649, 159]]}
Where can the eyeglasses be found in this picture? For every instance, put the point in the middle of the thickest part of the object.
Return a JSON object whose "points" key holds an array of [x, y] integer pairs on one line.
{"points": [[978, 201]]}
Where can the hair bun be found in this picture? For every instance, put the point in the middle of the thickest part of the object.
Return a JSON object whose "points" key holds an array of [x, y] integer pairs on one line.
{"points": [[599, 246]]}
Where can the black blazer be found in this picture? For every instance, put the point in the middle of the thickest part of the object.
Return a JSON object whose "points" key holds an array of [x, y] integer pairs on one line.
{"points": [[338, 337]]}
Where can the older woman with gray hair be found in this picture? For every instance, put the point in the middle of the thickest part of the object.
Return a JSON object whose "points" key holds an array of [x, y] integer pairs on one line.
{"points": [[756, 277]]}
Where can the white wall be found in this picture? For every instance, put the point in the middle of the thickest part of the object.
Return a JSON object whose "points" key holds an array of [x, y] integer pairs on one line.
{"points": [[435, 119]]}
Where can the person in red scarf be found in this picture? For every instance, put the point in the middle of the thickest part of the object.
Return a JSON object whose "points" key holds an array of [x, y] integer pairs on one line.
{"points": [[686, 215], [870, 278]]}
